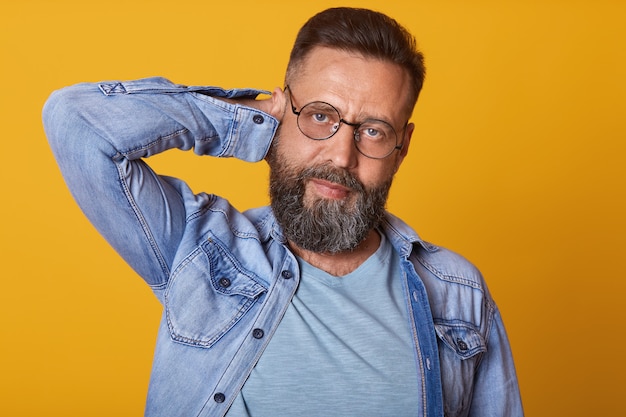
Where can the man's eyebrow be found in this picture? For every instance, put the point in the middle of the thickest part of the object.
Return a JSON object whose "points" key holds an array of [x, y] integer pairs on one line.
{"points": [[365, 116]]}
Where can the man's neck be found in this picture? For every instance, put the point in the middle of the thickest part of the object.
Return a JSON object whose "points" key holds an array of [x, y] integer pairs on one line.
{"points": [[341, 263]]}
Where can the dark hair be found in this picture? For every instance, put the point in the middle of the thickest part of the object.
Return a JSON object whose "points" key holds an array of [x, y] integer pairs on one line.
{"points": [[367, 32]]}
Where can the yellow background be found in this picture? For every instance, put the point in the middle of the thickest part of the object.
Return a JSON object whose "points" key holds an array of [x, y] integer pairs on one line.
{"points": [[517, 162]]}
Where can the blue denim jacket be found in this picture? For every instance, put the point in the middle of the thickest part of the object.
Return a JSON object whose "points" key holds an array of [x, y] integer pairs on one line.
{"points": [[225, 278]]}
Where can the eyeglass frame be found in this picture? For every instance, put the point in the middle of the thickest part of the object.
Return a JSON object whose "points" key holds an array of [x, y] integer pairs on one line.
{"points": [[356, 126]]}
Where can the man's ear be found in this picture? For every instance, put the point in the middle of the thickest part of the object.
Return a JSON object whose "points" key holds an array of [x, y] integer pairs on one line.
{"points": [[278, 104], [406, 141]]}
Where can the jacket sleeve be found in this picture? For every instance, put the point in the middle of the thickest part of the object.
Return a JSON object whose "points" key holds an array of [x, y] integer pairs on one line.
{"points": [[496, 390], [100, 135]]}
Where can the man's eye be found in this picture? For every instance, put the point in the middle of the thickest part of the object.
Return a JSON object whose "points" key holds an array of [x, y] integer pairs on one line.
{"points": [[320, 117], [372, 132]]}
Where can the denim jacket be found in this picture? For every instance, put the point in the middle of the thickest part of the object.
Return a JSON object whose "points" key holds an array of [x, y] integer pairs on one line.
{"points": [[225, 278]]}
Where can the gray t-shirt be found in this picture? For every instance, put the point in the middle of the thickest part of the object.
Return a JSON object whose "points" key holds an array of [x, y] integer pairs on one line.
{"points": [[344, 348]]}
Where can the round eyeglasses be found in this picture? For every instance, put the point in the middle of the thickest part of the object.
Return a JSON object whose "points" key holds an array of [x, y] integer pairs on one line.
{"points": [[318, 120]]}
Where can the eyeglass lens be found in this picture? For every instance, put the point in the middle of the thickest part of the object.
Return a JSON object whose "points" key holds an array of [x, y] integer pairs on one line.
{"points": [[373, 138]]}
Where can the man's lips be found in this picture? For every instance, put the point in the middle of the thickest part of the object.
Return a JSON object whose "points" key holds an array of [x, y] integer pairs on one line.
{"points": [[329, 189]]}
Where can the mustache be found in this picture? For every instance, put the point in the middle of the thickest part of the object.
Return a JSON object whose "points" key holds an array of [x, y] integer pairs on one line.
{"points": [[328, 173]]}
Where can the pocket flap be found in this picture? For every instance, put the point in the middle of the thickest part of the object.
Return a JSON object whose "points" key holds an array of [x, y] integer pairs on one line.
{"points": [[462, 338], [208, 294]]}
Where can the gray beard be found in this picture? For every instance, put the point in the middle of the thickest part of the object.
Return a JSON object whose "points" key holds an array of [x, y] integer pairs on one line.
{"points": [[324, 226]]}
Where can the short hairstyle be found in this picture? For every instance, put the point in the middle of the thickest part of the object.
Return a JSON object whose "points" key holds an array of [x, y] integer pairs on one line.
{"points": [[370, 33]]}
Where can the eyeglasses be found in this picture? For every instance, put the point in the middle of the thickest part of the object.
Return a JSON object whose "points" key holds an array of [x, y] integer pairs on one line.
{"points": [[373, 138]]}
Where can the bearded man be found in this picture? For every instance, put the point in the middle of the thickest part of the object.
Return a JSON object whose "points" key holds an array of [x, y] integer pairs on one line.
{"points": [[323, 304]]}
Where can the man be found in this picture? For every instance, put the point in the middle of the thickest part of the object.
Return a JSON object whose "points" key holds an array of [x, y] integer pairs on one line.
{"points": [[322, 304]]}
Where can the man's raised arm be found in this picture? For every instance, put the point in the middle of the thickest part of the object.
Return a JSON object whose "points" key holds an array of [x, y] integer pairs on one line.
{"points": [[101, 132]]}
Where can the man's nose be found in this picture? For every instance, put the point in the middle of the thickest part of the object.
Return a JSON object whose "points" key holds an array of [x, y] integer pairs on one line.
{"points": [[341, 149]]}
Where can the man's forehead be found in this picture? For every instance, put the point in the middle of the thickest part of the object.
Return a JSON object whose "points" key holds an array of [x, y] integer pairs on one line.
{"points": [[347, 78], [352, 67]]}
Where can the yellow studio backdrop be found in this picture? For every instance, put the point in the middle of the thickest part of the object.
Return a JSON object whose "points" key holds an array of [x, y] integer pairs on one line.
{"points": [[517, 162]]}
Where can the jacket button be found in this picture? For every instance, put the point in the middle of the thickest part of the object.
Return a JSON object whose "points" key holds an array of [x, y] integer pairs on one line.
{"points": [[462, 345], [219, 397], [258, 119], [224, 282], [258, 333], [286, 274]]}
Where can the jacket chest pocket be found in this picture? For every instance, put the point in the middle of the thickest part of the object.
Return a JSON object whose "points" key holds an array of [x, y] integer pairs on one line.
{"points": [[208, 293], [460, 349]]}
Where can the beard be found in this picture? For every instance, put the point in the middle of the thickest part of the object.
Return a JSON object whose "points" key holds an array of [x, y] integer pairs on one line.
{"points": [[324, 225]]}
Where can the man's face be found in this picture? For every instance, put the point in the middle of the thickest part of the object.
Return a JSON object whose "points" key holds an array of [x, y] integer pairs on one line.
{"points": [[325, 194]]}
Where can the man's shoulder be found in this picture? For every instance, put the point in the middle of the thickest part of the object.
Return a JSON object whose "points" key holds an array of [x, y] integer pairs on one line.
{"points": [[263, 220], [440, 263], [447, 265]]}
